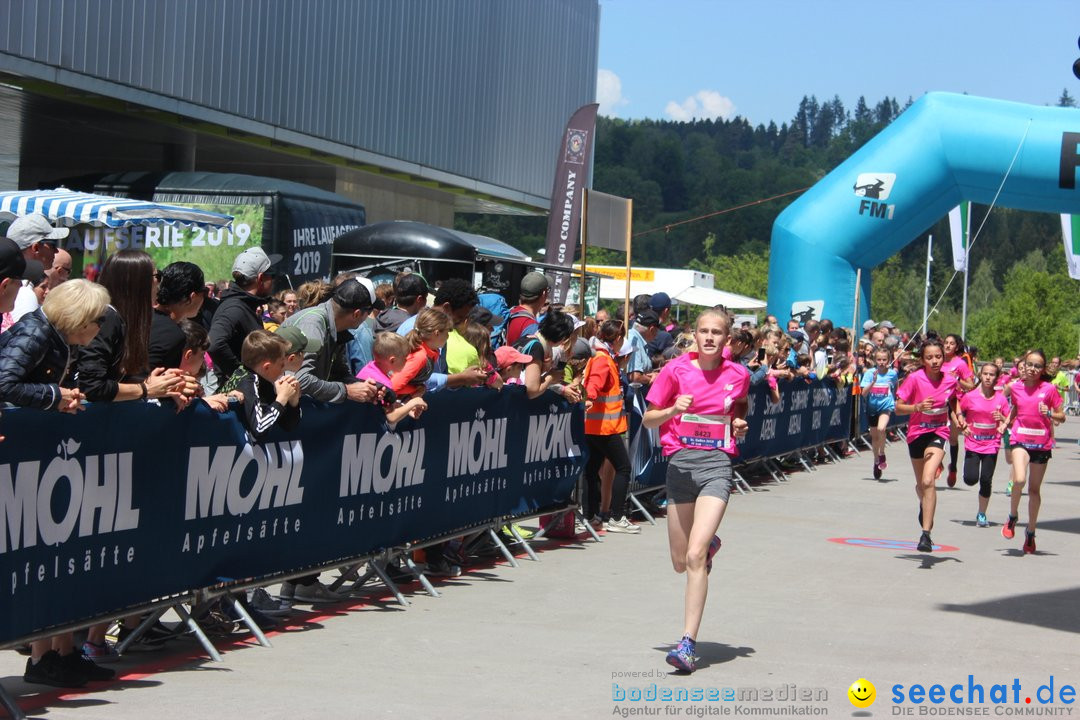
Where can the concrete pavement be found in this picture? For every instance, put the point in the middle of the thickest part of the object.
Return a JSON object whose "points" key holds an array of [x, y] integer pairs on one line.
{"points": [[791, 615]]}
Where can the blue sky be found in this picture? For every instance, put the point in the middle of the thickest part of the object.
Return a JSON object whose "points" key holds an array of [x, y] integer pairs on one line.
{"points": [[678, 59]]}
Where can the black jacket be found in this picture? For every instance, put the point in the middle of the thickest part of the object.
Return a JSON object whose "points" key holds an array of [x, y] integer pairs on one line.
{"points": [[96, 367], [33, 361], [236, 316], [262, 410]]}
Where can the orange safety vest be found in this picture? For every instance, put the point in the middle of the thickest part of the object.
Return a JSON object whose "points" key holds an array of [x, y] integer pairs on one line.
{"points": [[606, 415]]}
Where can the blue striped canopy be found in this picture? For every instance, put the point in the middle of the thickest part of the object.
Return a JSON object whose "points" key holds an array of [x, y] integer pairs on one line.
{"points": [[65, 207]]}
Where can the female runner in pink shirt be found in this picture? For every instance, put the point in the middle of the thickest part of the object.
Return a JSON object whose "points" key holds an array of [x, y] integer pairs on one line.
{"points": [[698, 400], [929, 396], [1036, 403], [957, 364], [984, 415]]}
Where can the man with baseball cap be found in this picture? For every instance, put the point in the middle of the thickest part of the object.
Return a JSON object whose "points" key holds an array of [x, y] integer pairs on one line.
{"points": [[523, 318], [238, 313], [661, 304], [38, 240], [325, 374], [12, 267], [646, 325]]}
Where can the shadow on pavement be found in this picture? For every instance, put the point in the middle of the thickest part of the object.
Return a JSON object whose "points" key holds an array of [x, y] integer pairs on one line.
{"points": [[927, 561], [1055, 609], [1069, 525]]}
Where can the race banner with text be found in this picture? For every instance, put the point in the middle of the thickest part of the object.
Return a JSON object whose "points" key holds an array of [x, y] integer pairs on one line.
{"points": [[809, 413], [129, 502]]}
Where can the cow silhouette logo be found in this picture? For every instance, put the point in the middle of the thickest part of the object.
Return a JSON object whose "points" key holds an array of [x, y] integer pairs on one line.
{"points": [[876, 186]]}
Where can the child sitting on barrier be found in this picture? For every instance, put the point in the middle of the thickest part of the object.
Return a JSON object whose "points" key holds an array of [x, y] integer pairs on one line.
{"points": [[426, 339], [389, 351], [270, 396]]}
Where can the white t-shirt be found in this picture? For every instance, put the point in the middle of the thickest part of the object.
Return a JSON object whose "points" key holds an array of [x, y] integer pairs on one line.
{"points": [[25, 302]]}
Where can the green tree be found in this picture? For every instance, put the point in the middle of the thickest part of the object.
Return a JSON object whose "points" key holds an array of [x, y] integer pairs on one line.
{"points": [[745, 274], [1036, 309]]}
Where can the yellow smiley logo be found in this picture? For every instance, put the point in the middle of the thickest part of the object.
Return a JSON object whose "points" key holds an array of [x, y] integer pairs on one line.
{"points": [[862, 693]]}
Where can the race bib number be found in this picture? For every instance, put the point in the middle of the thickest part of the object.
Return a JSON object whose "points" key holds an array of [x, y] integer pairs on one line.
{"points": [[879, 389], [1036, 432], [934, 411], [705, 431]]}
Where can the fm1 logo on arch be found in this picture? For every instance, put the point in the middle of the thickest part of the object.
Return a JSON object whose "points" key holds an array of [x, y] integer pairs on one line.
{"points": [[874, 189]]}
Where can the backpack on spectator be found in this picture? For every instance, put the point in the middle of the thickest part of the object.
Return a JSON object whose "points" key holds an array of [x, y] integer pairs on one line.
{"points": [[500, 311], [517, 312]]}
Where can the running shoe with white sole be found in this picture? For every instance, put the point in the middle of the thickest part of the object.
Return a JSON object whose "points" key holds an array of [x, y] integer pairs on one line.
{"points": [[622, 525]]}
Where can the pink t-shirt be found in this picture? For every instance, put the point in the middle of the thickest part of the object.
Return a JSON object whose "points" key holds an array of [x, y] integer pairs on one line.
{"points": [[715, 393], [371, 371], [1031, 429], [916, 388], [978, 411], [957, 366]]}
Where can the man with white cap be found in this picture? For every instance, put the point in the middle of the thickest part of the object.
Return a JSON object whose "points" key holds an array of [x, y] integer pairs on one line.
{"points": [[238, 313], [38, 240]]}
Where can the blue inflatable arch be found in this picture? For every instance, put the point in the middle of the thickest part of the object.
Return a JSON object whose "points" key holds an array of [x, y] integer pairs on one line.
{"points": [[943, 149]]}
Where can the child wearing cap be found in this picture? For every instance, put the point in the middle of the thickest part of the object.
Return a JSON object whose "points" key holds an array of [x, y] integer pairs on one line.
{"points": [[389, 351], [270, 396], [511, 362]]}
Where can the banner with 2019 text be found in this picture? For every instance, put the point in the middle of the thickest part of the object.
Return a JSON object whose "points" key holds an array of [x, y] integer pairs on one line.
{"points": [[129, 502]]}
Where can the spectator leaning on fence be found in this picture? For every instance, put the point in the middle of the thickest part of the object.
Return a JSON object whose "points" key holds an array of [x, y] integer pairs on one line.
{"points": [[181, 290], [114, 365], [270, 396], [238, 313], [645, 327], [324, 374]]}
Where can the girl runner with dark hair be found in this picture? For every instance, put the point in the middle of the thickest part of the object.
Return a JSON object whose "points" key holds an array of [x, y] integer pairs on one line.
{"points": [[983, 417], [928, 395], [698, 400], [1036, 404], [956, 363]]}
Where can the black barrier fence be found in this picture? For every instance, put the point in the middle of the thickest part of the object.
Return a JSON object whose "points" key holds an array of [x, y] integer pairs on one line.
{"points": [[810, 413], [128, 503]]}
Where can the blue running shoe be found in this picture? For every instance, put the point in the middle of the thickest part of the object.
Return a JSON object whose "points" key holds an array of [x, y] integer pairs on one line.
{"points": [[682, 657], [980, 520]]}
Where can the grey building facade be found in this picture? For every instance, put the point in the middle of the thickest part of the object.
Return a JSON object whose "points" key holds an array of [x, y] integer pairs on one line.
{"points": [[416, 108]]}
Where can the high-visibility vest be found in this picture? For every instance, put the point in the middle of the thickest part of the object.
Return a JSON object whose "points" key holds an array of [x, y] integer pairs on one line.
{"points": [[606, 415]]}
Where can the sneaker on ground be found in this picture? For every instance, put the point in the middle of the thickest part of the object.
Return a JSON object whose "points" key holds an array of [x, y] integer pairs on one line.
{"points": [[1008, 530], [316, 593], [925, 543], [951, 480], [714, 547], [881, 462], [1008, 488], [682, 657], [51, 670], [79, 664], [622, 525], [443, 568], [981, 521], [260, 601], [523, 532], [265, 622], [1029, 543], [877, 471], [287, 590], [103, 653], [398, 574]]}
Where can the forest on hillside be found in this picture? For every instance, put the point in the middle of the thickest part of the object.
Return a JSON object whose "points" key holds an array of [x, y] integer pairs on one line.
{"points": [[676, 172]]}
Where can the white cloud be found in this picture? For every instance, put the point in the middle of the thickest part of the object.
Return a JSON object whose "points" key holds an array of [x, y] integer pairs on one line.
{"points": [[702, 105], [609, 92]]}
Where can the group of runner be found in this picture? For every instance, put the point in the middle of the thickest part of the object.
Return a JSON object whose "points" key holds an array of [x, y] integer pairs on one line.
{"points": [[699, 402], [946, 400]]}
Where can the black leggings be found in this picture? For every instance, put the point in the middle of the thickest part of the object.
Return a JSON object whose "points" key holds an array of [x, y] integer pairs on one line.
{"points": [[979, 468], [613, 448]]}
